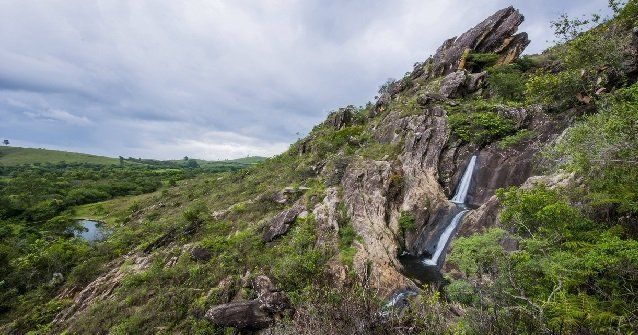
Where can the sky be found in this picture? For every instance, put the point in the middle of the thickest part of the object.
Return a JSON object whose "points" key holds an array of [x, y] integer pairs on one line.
{"points": [[211, 79]]}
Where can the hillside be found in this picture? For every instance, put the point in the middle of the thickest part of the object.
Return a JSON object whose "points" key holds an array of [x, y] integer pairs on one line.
{"points": [[482, 193], [10, 156]]}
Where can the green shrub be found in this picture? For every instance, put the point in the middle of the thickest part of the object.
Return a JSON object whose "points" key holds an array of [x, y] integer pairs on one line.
{"points": [[513, 140], [480, 127], [476, 61], [506, 82], [556, 89], [479, 253], [406, 222], [462, 292]]}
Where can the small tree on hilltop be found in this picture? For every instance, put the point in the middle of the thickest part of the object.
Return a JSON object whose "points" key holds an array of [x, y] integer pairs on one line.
{"points": [[6, 142]]}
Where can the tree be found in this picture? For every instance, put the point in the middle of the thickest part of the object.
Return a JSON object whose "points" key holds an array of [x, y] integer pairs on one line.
{"points": [[6, 142], [121, 161], [185, 158]]}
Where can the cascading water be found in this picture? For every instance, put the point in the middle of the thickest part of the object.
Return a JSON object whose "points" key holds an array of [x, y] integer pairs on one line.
{"points": [[444, 238], [464, 185], [425, 269], [459, 198]]}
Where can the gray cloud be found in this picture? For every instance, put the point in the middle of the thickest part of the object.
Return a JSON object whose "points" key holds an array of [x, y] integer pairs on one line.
{"points": [[214, 79]]}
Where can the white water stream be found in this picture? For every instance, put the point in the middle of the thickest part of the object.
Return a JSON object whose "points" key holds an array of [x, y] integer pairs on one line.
{"points": [[464, 185], [444, 238], [459, 198]]}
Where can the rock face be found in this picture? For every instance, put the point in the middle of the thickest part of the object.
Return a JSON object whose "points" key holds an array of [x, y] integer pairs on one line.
{"points": [[496, 34], [341, 118], [256, 314], [461, 83], [280, 224]]}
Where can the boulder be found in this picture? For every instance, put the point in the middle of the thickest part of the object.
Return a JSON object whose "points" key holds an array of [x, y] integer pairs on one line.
{"points": [[460, 83], [200, 254], [341, 118], [454, 84], [240, 314], [270, 305], [280, 224], [427, 98], [496, 34]]}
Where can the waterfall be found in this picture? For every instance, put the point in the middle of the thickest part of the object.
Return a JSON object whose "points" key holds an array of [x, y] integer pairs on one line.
{"points": [[440, 246], [459, 198], [464, 185]]}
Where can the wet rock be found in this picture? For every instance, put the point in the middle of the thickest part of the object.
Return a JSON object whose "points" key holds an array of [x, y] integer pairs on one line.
{"points": [[495, 34], [280, 224], [270, 305]]}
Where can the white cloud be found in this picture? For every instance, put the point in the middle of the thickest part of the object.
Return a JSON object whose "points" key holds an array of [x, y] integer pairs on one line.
{"points": [[59, 115], [214, 79]]}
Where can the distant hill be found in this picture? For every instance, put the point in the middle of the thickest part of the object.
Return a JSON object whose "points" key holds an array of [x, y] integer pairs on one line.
{"points": [[16, 156], [10, 156], [249, 160]]}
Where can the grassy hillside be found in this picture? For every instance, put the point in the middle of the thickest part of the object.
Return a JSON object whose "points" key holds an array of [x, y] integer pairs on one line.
{"points": [[10, 156]]}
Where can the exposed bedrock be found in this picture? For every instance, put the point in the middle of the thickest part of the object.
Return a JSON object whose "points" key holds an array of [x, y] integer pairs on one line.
{"points": [[495, 34]]}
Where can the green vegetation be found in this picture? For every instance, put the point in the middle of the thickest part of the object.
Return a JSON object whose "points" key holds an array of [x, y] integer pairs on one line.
{"points": [[476, 61], [406, 222], [480, 127], [577, 258], [11, 156], [506, 81]]}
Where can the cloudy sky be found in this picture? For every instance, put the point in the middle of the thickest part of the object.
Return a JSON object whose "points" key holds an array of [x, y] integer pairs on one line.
{"points": [[215, 79]]}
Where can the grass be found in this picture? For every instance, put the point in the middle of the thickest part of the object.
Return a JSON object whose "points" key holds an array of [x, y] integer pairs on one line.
{"points": [[10, 156]]}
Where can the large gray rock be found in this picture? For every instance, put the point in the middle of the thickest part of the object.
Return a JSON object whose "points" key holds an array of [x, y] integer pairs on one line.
{"points": [[280, 224], [454, 84], [460, 83], [341, 118], [256, 314], [496, 34]]}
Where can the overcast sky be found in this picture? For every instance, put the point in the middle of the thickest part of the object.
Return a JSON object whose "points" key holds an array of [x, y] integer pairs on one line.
{"points": [[215, 79]]}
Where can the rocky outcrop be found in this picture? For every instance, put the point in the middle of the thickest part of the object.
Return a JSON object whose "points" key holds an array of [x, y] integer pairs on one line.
{"points": [[460, 83], [498, 166], [101, 288], [496, 35], [365, 188], [270, 305], [341, 118], [280, 224]]}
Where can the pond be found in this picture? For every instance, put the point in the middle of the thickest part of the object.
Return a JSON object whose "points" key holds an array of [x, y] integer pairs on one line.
{"points": [[91, 230]]}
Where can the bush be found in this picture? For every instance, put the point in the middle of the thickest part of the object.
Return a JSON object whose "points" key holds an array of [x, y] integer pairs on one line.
{"points": [[462, 292], [480, 127], [406, 222], [476, 62], [556, 89], [506, 82]]}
